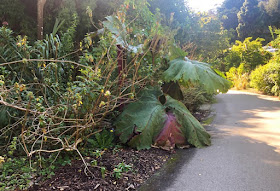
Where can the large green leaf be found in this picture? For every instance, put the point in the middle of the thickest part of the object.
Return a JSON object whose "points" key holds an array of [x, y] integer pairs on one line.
{"points": [[192, 129], [189, 71], [118, 29], [142, 121]]}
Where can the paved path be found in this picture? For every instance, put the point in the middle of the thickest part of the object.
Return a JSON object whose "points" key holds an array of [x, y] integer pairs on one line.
{"points": [[245, 155]]}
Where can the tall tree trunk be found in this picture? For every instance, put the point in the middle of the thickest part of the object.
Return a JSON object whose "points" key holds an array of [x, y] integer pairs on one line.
{"points": [[40, 19]]}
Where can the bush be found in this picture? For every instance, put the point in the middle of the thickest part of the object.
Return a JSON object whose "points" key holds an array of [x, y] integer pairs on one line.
{"points": [[195, 96], [239, 77], [267, 78], [249, 52]]}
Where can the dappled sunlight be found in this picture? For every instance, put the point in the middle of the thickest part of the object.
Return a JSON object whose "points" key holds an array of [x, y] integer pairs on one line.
{"points": [[233, 92], [270, 98], [261, 126], [270, 162]]}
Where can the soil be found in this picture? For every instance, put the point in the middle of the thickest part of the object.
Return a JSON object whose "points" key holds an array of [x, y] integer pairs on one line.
{"points": [[144, 164]]}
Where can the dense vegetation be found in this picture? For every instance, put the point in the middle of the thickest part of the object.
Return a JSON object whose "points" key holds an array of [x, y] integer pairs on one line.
{"points": [[253, 59], [110, 73]]}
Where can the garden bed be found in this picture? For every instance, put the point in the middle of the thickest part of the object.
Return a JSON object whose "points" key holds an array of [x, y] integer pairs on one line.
{"points": [[143, 164], [72, 177]]}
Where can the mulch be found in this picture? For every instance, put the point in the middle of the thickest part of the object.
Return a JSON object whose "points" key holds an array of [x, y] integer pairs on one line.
{"points": [[72, 177]]}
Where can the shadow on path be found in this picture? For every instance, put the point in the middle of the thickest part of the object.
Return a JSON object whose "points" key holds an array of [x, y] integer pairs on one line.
{"points": [[169, 172]]}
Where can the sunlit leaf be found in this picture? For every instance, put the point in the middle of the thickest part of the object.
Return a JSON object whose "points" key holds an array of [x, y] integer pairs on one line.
{"points": [[188, 71]]}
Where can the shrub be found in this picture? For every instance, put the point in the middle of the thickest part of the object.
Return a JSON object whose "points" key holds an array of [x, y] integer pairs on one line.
{"points": [[239, 77], [267, 78], [195, 96], [249, 52]]}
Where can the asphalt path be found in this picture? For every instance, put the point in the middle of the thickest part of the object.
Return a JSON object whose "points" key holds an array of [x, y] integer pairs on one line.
{"points": [[245, 151]]}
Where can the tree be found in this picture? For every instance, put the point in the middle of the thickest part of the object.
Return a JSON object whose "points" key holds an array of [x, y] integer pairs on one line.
{"points": [[272, 9], [176, 14], [19, 16], [177, 8], [250, 19], [40, 18], [228, 13], [210, 27]]}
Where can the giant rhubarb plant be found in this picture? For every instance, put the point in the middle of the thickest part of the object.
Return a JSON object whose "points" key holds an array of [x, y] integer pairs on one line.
{"points": [[163, 121], [188, 71], [160, 120]]}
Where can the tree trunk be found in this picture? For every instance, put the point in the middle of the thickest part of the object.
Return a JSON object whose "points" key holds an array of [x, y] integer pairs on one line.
{"points": [[40, 19]]}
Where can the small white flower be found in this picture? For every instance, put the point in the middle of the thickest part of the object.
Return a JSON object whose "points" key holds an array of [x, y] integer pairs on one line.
{"points": [[107, 93]]}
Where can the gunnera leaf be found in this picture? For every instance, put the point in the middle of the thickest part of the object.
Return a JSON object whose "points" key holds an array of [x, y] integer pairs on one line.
{"points": [[193, 131], [142, 120], [117, 28], [170, 134], [149, 121], [188, 71]]}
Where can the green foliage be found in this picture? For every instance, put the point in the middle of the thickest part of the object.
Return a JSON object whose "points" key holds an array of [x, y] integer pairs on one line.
{"points": [[121, 168], [239, 77], [193, 29], [12, 48], [250, 21], [172, 10], [271, 9], [267, 78], [118, 29], [64, 10], [18, 16], [275, 44], [15, 173], [103, 170], [142, 121], [189, 72], [64, 97], [59, 98], [195, 96], [228, 13], [210, 27], [249, 52], [102, 140]]}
